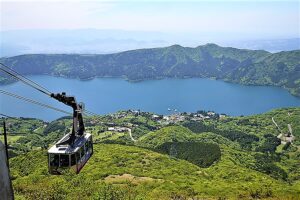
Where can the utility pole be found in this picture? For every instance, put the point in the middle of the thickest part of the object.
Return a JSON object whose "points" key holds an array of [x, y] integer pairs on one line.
{"points": [[5, 142], [6, 189]]}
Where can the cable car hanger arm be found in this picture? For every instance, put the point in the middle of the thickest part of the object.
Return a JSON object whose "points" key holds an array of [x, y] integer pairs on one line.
{"points": [[78, 125]]}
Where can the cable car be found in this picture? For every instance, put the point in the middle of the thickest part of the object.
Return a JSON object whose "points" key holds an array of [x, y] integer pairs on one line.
{"points": [[62, 156], [74, 149]]}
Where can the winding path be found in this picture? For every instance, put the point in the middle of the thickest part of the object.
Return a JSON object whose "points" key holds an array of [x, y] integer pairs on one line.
{"points": [[130, 135], [276, 124]]}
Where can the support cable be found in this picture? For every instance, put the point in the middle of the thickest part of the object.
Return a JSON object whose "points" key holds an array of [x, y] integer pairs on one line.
{"points": [[34, 85], [23, 79], [34, 102]]}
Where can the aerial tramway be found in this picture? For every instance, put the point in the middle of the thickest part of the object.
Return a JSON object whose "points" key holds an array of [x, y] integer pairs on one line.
{"points": [[73, 150]]}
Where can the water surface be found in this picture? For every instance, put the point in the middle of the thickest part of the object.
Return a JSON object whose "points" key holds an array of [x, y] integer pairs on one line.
{"points": [[108, 95]]}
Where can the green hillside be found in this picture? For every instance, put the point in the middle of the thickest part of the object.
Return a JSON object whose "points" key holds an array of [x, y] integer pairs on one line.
{"points": [[127, 172], [250, 67], [167, 134], [219, 157]]}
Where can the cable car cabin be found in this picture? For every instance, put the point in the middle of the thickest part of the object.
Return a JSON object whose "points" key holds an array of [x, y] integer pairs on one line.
{"points": [[61, 157]]}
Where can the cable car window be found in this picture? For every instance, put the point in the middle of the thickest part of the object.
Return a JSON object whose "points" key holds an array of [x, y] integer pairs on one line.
{"points": [[78, 156], [81, 152], [86, 145], [64, 160], [90, 145], [73, 159], [54, 159]]}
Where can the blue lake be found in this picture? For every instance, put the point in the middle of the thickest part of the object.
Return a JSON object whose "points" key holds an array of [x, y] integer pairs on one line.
{"points": [[108, 95]]}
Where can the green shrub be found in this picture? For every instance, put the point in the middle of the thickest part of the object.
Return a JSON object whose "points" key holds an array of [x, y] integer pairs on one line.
{"points": [[198, 153]]}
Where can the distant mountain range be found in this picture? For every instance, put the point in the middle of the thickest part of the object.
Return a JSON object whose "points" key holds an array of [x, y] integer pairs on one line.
{"points": [[250, 67], [104, 41], [272, 45]]}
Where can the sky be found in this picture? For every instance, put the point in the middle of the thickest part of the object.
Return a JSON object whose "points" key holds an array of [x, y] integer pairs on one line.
{"points": [[261, 19]]}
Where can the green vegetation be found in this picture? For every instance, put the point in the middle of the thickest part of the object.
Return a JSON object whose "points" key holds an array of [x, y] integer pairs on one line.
{"points": [[24, 134], [245, 140], [166, 134], [250, 67], [127, 172], [270, 144], [198, 153], [213, 158]]}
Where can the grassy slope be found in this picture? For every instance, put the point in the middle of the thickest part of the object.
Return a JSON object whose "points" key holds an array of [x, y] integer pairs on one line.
{"points": [[262, 124], [20, 130], [166, 178], [233, 176], [156, 138]]}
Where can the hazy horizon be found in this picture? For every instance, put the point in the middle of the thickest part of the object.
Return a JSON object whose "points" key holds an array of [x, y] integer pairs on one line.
{"points": [[113, 26], [242, 19]]}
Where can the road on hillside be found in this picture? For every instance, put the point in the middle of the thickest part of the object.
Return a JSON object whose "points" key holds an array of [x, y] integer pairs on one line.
{"points": [[130, 135]]}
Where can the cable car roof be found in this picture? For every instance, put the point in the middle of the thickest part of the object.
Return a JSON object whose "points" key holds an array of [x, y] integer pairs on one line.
{"points": [[68, 149]]}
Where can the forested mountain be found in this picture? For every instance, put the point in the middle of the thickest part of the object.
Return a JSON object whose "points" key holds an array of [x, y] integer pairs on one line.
{"points": [[219, 157], [253, 67]]}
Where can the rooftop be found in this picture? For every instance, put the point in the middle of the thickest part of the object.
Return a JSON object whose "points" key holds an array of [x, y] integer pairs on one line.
{"points": [[67, 149]]}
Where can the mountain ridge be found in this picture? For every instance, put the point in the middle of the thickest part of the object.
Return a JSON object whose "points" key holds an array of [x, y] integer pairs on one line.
{"points": [[248, 67]]}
